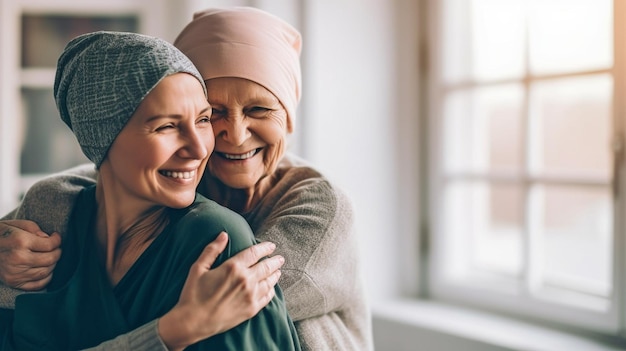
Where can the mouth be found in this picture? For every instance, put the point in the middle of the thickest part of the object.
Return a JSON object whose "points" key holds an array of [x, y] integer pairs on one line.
{"points": [[239, 157], [179, 174]]}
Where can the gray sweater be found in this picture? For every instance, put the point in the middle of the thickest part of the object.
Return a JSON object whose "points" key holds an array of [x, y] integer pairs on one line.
{"points": [[311, 223]]}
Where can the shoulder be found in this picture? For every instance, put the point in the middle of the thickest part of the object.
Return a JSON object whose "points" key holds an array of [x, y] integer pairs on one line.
{"points": [[303, 186], [205, 219], [50, 200], [303, 206], [71, 181], [204, 211]]}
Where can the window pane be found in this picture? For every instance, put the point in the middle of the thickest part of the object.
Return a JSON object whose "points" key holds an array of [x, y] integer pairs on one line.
{"points": [[498, 247], [570, 35], [483, 130], [571, 130], [483, 225], [574, 248], [49, 145], [488, 44], [45, 36]]}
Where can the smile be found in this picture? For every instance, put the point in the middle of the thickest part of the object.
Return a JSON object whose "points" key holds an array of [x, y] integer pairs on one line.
{"points": [[179, 175], [245, 156]]}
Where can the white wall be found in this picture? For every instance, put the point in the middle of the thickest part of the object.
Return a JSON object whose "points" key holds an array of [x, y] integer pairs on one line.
{"points": [[351, 115]]}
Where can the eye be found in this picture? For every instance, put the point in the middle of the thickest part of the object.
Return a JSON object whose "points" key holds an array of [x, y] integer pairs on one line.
{"points": [[164, 127], [204, 119], [257, 111]]}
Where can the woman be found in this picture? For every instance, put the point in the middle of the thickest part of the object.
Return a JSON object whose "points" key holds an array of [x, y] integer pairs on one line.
{"points": [[138, 109], [249, 60]]}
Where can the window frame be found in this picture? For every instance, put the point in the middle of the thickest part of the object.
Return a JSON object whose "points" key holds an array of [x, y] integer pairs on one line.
{"points": [[527, 307], [153, 18]]}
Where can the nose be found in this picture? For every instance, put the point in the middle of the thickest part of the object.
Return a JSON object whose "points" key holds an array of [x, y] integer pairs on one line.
{"points": [[197, 144], [234, 130]]}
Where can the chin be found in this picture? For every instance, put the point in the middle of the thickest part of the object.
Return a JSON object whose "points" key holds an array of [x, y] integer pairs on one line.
{"points": [[182, 201], [235, 183]]}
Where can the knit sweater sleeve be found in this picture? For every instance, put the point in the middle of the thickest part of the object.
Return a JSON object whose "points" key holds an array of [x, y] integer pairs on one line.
{"points": [[49, 203], [316, 226], [312, 226]]}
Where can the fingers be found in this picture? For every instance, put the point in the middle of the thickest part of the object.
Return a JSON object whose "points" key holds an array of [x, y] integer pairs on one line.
{"points": [[27, 278], [20, 259], [269, 296], [265, 268], [45, 243], [25, 225], [26, 235], [253, 254], [27, 255], [266, 288], [211, 251], [44, 276]]}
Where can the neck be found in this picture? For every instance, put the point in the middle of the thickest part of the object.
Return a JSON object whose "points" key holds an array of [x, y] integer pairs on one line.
{"points": [[124, 231], [238, 200]]}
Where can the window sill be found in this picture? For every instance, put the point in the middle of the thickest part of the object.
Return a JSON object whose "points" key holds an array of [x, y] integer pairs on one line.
{"points": [[403, 324]]}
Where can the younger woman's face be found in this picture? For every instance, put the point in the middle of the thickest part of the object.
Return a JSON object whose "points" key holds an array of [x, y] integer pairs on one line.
{"points": [[160, 155], [250, 126]]}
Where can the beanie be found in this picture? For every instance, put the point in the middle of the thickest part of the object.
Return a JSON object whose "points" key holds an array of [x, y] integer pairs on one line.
{"points": [[101, 79], [246, 42]]}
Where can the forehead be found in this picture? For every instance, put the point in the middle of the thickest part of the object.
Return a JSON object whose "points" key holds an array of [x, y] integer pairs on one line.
{"points": [[179, 93], [177, 83], [237, 89]]}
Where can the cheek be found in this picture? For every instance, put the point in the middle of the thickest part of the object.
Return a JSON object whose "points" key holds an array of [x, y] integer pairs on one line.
{"points": [[273, 154], [141, 157], [273, 131], [208, 138]]}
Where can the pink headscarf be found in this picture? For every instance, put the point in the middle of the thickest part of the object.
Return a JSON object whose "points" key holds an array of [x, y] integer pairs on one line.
{"points": [[247, 43]]}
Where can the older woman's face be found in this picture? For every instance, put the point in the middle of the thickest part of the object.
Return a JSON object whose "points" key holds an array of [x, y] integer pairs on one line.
{"points": [[250, 126], [160, 155]]}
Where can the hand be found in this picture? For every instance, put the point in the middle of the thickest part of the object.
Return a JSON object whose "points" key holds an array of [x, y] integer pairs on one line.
{"points": [[27, 254], [215, 300]]}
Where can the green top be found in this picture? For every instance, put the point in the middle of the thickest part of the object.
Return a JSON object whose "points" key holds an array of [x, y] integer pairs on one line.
{"points": [[81, 309]]}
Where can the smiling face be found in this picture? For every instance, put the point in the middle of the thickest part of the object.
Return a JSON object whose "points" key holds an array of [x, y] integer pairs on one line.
{"points": [[250, 126], [159, 156]]}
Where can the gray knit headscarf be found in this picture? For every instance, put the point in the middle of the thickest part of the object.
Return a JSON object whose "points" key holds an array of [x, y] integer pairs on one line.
{"points": [[101, 79]]}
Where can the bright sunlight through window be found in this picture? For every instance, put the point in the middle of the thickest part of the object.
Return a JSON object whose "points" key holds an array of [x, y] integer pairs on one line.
{"points": [[523, 186]]}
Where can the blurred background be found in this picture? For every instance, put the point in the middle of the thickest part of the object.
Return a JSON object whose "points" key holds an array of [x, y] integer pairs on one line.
{"points": [[480, 140]]}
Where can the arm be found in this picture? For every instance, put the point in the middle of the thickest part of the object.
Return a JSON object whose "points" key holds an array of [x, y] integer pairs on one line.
{"points": [[269, 327], [312, 225], [27, 253], [52, 198], [218, 290]]}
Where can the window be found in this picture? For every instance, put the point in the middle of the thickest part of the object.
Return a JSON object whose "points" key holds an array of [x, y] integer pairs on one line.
{"points": [[525, 118], [49, 145]]}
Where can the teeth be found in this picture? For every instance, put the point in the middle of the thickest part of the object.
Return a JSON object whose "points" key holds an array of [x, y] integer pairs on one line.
{"points": [[179, 175], [240, 157]]}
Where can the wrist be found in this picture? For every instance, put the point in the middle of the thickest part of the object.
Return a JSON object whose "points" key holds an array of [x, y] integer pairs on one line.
{"points": [[174, 331]]}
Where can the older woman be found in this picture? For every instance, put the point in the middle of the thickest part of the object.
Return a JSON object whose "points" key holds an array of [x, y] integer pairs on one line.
{"points": [[249, 60], [138, 109]]}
